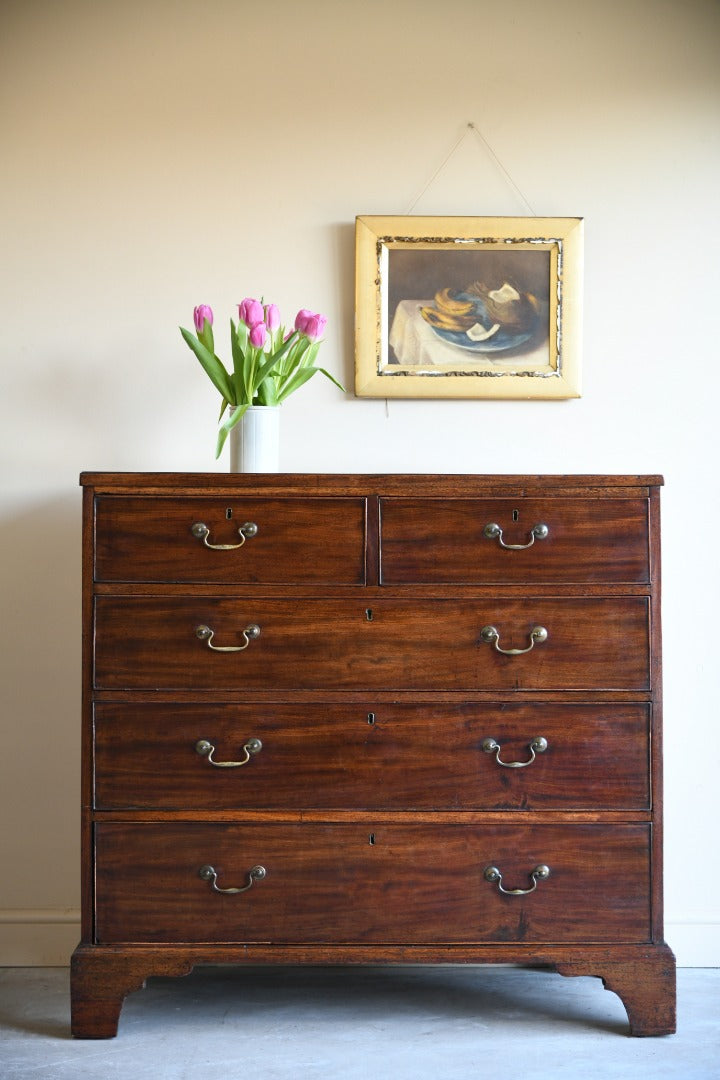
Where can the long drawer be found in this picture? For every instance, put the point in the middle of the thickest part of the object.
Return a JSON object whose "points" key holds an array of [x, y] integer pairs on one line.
{"points": [[455, 541], [391, 883], [235, 539], [399, 756], [145, 642]]}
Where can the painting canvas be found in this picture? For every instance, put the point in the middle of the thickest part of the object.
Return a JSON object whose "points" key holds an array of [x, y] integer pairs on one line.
{"points": [[468, 307]]}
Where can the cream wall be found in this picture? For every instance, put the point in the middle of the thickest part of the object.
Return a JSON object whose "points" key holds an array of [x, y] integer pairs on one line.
{"points": [[157, 155]]}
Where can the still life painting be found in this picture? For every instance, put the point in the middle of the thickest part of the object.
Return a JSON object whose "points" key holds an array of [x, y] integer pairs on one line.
{"points": [[468, 307]]}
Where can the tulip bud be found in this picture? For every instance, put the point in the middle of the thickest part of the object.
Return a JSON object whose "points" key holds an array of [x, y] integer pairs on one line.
{"points": [[202, 314], [272, 317], [251, 312], [258, 335]]}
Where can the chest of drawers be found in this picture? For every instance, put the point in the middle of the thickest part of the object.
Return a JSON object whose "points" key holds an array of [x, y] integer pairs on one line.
{"points": [[371, 719]]}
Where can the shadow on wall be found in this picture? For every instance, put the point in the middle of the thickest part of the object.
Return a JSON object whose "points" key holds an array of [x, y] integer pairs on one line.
{"points": [[40, 578], [344, 244]]}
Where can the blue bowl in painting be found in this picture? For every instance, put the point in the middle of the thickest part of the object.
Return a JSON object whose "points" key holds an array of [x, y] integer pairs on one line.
{"points": [[502, 341]]}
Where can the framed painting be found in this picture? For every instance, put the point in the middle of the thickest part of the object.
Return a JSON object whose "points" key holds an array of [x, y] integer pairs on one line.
{"points": [[468, 307]]}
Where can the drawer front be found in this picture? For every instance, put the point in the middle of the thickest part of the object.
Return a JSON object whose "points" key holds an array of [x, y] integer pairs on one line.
{"points": [[442, 540], [151, 642], [396, 757], [346, 883], [294, 541]]}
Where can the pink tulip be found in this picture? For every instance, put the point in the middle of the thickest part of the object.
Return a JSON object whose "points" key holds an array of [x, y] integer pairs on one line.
{"points": [[272, 317], [202, 314], [301, 319], [310, 324], [251, 311], [315, 326], [258, 335]]}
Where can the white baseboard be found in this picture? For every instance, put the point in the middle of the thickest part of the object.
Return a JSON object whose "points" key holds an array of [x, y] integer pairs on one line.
{"points": [[40, 937], [695, 943], [46, 937]]}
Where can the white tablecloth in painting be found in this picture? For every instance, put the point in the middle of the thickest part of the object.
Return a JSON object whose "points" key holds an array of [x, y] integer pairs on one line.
{"points": [[416, 344]]}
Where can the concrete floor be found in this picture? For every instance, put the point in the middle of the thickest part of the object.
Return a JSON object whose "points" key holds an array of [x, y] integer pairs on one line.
{"points": [[357, 1024]]}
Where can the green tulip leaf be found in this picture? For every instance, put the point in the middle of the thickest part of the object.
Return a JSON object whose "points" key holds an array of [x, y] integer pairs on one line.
{"points": [[228, 425], [310, 355], [332, 379], [298, 379], [267, 393], [212, 365], [265, 368]]}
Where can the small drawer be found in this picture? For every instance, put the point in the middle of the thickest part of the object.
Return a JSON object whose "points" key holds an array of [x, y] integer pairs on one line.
{"points": [[465, 541], [242, 540], [411, 884], [324, 756], [152, 642]]}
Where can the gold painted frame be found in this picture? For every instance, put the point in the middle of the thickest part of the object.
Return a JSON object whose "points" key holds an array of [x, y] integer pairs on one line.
{"points": [[468, 307]]}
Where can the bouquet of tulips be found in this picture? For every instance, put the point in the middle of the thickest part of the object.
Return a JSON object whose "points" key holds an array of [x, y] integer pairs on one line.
{"points": [[269, 363]]}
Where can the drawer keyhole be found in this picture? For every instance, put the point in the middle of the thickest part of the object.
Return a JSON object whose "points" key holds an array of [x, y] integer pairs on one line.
{"points": [[516, 515], [371, 839], [371, 718], [228, 513], [368, 614]]}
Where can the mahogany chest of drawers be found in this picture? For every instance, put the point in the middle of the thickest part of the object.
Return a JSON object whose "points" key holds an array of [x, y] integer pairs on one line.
{"points": [[371, 719]]}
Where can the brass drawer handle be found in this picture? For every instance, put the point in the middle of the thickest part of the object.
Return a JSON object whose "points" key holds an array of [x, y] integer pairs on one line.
{"points": [[206, 749], [538, 532], [538, 746], [490, 635], [202, 532], [493, 875], [209, 873], [206, 634]]}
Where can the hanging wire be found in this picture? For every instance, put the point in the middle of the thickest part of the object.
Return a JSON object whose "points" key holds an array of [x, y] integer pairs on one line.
{"points": [[498, 162], [471, 127], [437, 172]]}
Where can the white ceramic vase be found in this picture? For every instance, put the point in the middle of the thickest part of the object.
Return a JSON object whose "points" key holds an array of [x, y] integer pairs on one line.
{"points": [[255, 440]]}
